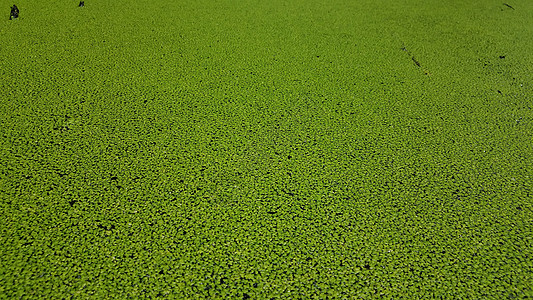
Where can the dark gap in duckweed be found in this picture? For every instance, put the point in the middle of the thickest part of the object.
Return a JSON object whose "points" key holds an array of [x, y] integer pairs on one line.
{"points": [[14, 12], [509, 6]]}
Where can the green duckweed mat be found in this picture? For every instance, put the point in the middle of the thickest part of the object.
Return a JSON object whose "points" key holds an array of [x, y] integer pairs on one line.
{"points": [[246, 149]]}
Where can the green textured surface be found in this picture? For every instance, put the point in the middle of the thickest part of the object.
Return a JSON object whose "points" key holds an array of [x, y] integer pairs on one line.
{"points": [[266, 149]]}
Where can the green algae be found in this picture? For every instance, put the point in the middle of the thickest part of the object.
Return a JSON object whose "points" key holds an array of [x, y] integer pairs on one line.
{"points": [[222, 149]]}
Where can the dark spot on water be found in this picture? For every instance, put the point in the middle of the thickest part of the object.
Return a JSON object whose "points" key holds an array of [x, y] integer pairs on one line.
{"points": [[508, 6], [14, 12], [110, 227]]}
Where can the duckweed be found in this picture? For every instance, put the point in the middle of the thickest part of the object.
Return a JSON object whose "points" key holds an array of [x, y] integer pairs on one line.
{"points": [[266, 150]]}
